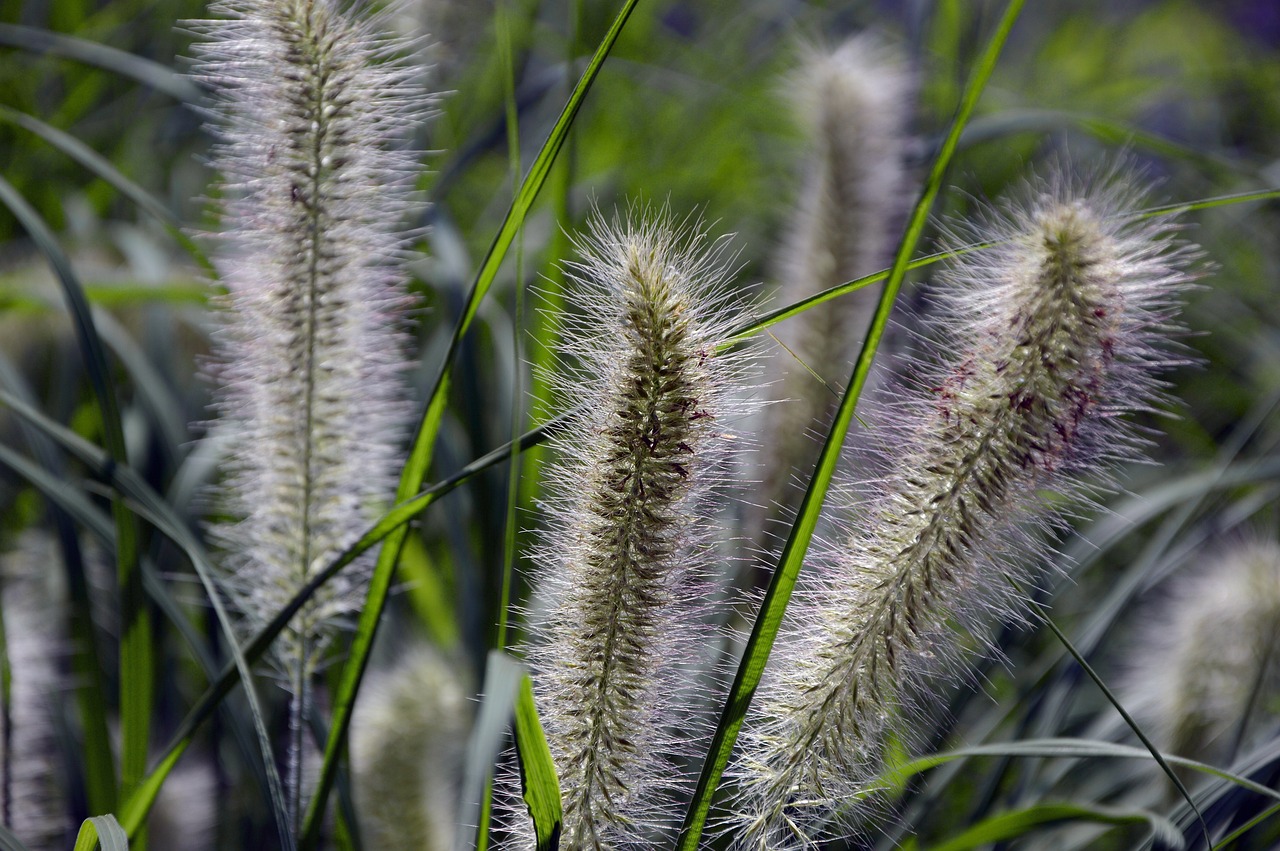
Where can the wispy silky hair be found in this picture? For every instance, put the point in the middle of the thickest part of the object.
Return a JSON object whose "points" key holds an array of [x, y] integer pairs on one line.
{"points": [[1208, 660], [313, 103], [630, 521], [33, 800], [408, 738], [854, 103], [1057, 330]]}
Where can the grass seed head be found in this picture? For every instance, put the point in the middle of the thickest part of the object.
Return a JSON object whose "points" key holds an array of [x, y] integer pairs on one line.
{"points": [[631, 522], [1058, 329]]}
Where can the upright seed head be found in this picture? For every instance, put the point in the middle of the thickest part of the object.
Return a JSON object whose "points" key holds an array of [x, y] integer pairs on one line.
{"points": [[312, 108], [1059, 329], [408, 737], [630, 523], [854, 103]]}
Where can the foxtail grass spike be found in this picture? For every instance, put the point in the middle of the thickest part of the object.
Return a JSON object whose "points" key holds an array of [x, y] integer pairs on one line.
{"points": [[408, 742], [1209, 660], [1058, 330], [313, 105], [32, 793], [630, 531], [854, 103]]}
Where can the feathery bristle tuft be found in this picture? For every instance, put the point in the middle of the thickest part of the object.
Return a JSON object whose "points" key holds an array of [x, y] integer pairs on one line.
{"points": [[313, 108]]}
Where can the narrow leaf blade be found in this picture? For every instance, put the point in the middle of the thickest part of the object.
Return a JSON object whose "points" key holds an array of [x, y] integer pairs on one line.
{"points": [[541, 787]]}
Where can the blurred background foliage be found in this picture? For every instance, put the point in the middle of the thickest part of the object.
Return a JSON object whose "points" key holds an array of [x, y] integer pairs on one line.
{"points": [[692, 110]]}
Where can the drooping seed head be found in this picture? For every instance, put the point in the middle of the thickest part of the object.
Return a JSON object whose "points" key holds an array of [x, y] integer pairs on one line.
{"points": [[1058, 329]]}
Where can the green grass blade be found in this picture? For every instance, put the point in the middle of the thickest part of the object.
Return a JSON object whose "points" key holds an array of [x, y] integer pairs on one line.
{"points": [[59, 491], [101, 832], [145, 71], [153, 508], [1179, 209], [538, 781], [1064, 748], [773, 317], [137, 666], [1010, 825], [151, 391], [420, 455], [772, 608], [1128, 719], [1009, 122], [113, 295], [101, 167], [1249, 825]]}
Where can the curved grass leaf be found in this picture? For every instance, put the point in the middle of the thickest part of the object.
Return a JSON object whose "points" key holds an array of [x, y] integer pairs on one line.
{"points": [[137, 665], [420, 455], [769, 620], [1010, 122], [1269, 812], [1262, 762], [1010, 825], [114, 295], [59, 491], [153, 508], [101, 832], [1124, 713], [145, 71], [773, 317], [1064, 748], [101, 167], [538, 781], [151, 392]]}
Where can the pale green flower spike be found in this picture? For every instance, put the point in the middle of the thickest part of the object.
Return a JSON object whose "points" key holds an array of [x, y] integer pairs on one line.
{"points": [[854, 103], [408, 742]]}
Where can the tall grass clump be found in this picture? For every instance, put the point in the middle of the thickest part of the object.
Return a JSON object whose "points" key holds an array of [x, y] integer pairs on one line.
{"points": [[312, 111], [1058, 330], [630, 532], [920, 671]]}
